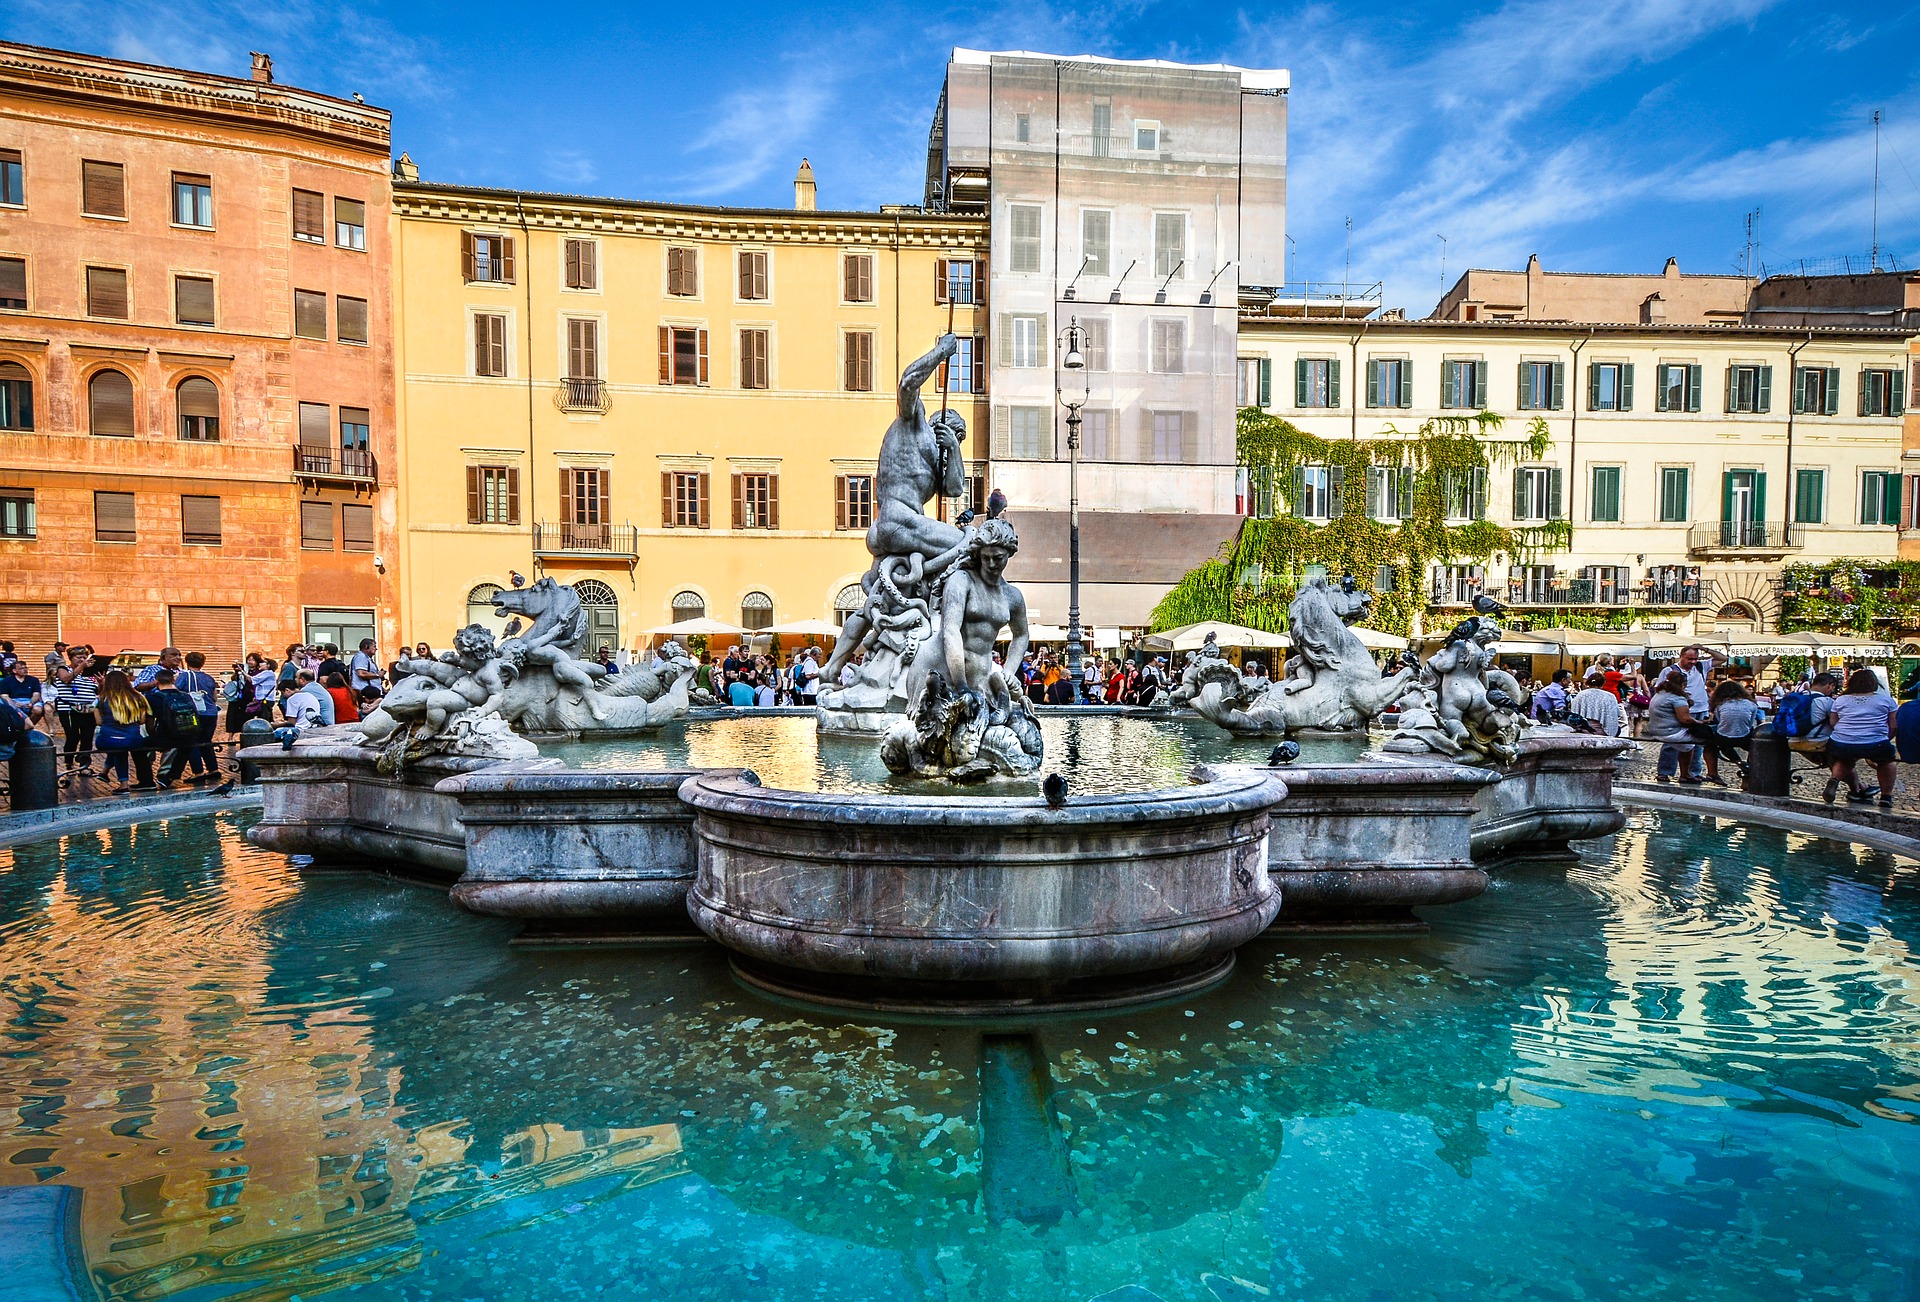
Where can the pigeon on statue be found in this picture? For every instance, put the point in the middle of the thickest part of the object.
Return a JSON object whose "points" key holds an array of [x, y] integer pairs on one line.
{"points": [[1285, 753], [1485, 605], [518, 579], [1055, 790], [996, 503], [965, 518]]}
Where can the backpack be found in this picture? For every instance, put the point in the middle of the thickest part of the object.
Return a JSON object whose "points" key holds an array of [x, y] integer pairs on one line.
{"points": [[13, 724], [1796, 715], [173, 711]]}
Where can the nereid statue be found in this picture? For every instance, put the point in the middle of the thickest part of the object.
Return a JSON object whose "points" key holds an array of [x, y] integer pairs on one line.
{"points": [[1331, 682], [1463, 705], [937, 598], [479, 699]]}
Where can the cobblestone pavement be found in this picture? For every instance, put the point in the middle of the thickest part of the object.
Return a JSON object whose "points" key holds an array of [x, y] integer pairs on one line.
{"points": [[1640, 765]]}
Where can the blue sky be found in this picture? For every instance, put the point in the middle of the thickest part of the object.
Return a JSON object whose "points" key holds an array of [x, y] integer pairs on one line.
{"points": [[1604, 135]]}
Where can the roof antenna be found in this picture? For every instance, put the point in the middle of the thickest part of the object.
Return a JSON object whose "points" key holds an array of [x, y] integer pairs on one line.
{"points": [[1874, 257]]}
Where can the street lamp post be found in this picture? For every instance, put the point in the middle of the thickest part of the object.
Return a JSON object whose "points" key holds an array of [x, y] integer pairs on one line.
{"points": [[1072, 373]]}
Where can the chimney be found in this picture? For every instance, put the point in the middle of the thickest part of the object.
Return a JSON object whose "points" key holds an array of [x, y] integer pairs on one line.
{"points": [[1654, 310], [804, 192], [1672, 270], [262, 67], [405, 169]]}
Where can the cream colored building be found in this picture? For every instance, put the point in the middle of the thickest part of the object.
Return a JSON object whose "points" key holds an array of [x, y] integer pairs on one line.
{"points": [[676, 408], [1691, 461]]}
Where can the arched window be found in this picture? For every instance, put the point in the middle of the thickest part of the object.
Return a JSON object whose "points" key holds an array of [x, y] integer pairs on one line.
{"points": [[110, 404], [16, 396], [480, 607], [688, 605], [756, 611], [848, 601], [603, 614], [199, 404]]}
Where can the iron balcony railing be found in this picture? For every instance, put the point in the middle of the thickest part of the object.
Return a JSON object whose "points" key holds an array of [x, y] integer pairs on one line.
{"points": [[316, 461], [582, 395], [1745, 535], [588, 539], [1580, 592]]}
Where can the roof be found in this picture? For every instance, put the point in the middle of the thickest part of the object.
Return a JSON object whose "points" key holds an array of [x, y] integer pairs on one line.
{"points": [[424, 189], [1117, 546], [1250, 78], [1258, 324]]}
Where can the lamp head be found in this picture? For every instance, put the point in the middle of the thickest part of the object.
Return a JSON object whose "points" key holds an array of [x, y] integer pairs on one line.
{"points": [[1074, 361]]}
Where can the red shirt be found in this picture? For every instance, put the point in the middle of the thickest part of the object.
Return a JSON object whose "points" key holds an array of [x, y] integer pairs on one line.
{"points": [[1613, 679], [345, 708]]}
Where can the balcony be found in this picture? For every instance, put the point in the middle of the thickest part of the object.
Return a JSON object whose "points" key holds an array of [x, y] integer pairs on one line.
{"points": [[1745, 539], [1647, 594], [321, 464], [586, 540], [581, 395]]}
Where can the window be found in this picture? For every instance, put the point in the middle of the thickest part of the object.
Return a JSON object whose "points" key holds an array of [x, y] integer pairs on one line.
{"points": [[110, 404], [1169, 244], [1809, 496], [1255, 386], [688, 605], [1675, 494], [200, 521], [753, 275], [1879, 497], [1543, 386], [107, 293], [960, 280], [966, 371], [857, 360], [1389, 492], [1146, 138], [756, 501], [1532, 584], [1023, 341], [1102, 128], [584, 513], [754, 371], [683, 272], [756, 611], [1458, 584], [1610, 386], [1816, 390], [350, 319], [1317, 491], [852, 501], [1093, 345], [103, 189], [16, 513], [856, 277], [1463, 385], [316, 526], [310, 217], [493, 495], [1023, 237], [1536, 493], [315, 435], [349, 225], [1882, 391], [583, 348], [1316, 382], [198, 402], [1749, 388], [1677, 387], [13, 283], [113, 517], [1096, 242], [356, 527], [1176, 437], [1389, 382], [1170, 347], [486, 259], [13, 188], [16, 396], [1029, 435], [192, 200], [356, 435], [1096, 436], [193, 300], [1604, 500], [683, 355], [1466, 493], [1022, 128], [309, 314], [489, 344], [683, 499]]}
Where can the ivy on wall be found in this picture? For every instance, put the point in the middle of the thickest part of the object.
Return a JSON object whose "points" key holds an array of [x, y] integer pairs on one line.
{"points": [[1257, 575], [1850, 596]]}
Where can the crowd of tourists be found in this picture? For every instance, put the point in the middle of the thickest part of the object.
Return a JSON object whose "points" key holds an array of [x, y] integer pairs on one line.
{"points": [[744, 678]]}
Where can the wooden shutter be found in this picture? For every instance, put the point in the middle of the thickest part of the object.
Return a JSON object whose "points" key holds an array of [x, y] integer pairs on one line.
{"points": [[569, 503], [1626, 386], [113, 517], [476, 509], [199, 519], [1190, 437], [1693, 387], [356, 527], [773, 501], [214, 631], [701, 337], [666, 354], [1527, 401], [490, 344], [739, 502], [666, 499], [589, 264], [1479, 386], [315, 425], [32, 626], [513, 495], [192, 300], [857, 274], [103, 188], [583, 349], [1763, 398], [309, 314], [107, 292], [1519, 493], [573, 264], [940, 280], [1555, 500], [110, 404], [1373, 383], [1559, 385], [469, 253], [1299, 381], [601, 486], [316, 526], [979, 364], [704, 486], [13, 280], [840, 501], [1832, 405], [310, 223], [506, 257], [351, 320], [1333, 382], [197, 396]]}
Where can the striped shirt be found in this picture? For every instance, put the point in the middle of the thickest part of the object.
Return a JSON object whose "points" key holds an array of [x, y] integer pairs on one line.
{"points": [[80, 694]]}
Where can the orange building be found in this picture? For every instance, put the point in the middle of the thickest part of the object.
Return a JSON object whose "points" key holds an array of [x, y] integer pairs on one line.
{"points": [[196, 361]]}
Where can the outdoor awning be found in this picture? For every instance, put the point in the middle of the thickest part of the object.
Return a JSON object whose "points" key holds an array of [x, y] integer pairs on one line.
{"points": [[1834, 645], [805, 628], [1191, 637], [702, 627], [1099, 639]]}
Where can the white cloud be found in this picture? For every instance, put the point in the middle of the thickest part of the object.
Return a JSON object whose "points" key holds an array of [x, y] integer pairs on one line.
{"points": [[755, 131]]}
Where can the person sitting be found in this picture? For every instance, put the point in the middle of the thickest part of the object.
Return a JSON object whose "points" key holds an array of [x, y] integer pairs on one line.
{"points": [[124, 715], [1550, 702], [1670, 722], [346, 706], [739, 691], [1863, 729], [1598, 705], [1735, 716]]}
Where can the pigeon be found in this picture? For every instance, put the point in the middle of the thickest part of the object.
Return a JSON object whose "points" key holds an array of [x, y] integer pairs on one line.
{"points": [[224, 788], [966, 517], [1285, 753], [1485, 605], [1055, 790], [518, 579], [996, 503], [1346, 583]]}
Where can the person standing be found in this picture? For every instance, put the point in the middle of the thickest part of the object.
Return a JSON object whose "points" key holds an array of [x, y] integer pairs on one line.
{"points": [[266, 678], [364, 670], [204, 692], [175, 730], [1863, 729], [74, 697]]}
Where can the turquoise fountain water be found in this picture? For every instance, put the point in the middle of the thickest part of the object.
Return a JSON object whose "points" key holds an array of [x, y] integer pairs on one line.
{"points": [[1686, 1067]]}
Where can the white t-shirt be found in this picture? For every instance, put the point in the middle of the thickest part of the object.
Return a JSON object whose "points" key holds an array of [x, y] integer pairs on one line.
{"points": [[1862, 720]]}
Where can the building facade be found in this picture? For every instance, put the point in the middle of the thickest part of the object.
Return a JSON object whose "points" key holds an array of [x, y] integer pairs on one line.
{"points": [[196, 384], [1690, 462], [677, 409]]}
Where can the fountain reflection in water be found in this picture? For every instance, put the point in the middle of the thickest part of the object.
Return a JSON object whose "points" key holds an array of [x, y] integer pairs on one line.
{"points": [[268, 1084]]}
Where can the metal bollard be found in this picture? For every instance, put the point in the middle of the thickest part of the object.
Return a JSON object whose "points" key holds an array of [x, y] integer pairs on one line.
{"points": [[1769, 765], [33, 775], [254, 732]]}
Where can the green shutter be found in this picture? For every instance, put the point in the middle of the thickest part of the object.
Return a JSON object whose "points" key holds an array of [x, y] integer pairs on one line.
{"points": [[1832, 405], [1593, 386], [1726, 496], [1556, 499], [1559, 386], [1376, 483], [1405, 505], [1626, 387], [1336, 492], [1266, 381], [1333, 383], [1525, 387], [1406, 382], [1863, 392], [1731, 370], [1479, 386], [1890, 501], [1449, 384], [1898, 406], [1693, 387], [1519, 493], [1764, 400], [1759, 497], [1373, 382], [1299, 381]]}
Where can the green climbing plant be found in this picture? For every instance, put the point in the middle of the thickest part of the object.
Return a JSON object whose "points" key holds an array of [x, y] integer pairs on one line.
{"points": [[1851, 596], [1256, 575]]}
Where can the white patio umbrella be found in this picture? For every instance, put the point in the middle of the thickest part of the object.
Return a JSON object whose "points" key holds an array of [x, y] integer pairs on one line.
{"points": [[1835, 645], [701, 627], [1191, 637], [1374, 640], [805, 628]]}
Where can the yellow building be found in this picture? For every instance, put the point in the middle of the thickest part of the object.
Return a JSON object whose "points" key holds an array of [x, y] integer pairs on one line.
{"points": [[676, 408]]}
